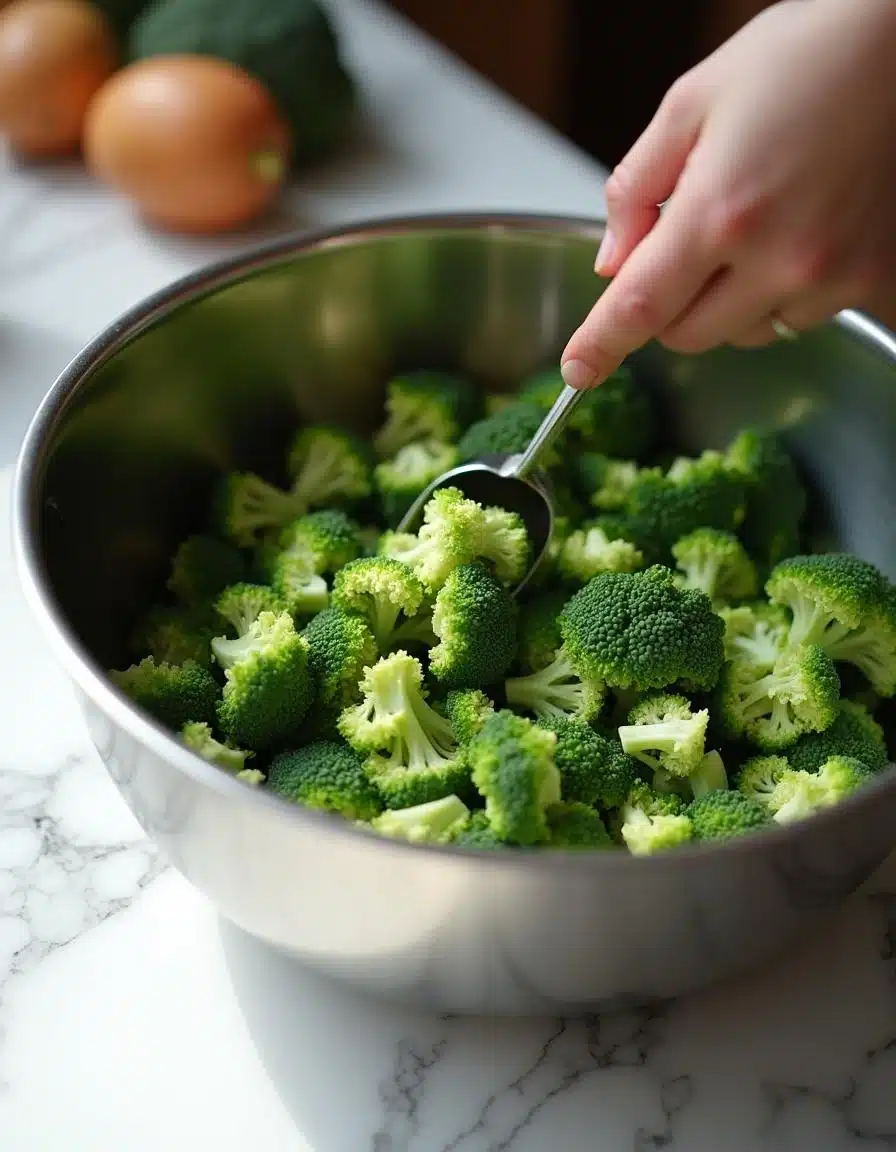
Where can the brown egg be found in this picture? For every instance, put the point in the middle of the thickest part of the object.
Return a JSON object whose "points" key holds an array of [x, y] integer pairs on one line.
{"points": [[54, 56], [196, 143]]}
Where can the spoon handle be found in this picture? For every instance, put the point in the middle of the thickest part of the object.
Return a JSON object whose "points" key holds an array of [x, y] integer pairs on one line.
{"points": [[549, 430]]}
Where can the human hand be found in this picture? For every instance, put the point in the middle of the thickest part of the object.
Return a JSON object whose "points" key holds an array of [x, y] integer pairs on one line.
{"points": [[776, 162]]}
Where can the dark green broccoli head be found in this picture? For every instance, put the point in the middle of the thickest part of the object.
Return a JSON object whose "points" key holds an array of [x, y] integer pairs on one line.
{"points": [[426, 406], [594, 769], [329, 467], [202, 567], [539, 629], [577, 827], [478, 833], [401, 479], [829, 594], [340, 647], [173, 694], [467, 710], [721, 815], [638, 630], [854, 733], [475, 620], [325, 775], [776, 495], [514, 770], [173, 635], [505, 432]]}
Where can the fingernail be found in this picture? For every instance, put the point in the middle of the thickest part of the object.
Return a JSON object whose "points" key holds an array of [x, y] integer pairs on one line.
{"points": [[577, 374], [605, 251]]}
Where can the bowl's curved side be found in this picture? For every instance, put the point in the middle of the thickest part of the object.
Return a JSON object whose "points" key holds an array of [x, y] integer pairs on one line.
{"points": [[214, 371]]}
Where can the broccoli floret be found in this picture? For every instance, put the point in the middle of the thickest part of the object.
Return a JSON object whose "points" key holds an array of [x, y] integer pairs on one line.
{"points": [[478, 833], [774, 707], [854, 733], [664, 732], [506, 433], [720, 815], [401, 479], [758, 777], [295, 582], [173, 635], [467, 710], [617, 419], [577, 827], [776, 496], [426, 406], [872, 646], [513, 768], [202, 567], [173, 694], [589, 551], [240, 605], [326, 775], [268, 686], [328, 466], [565, 688], [329, 538], [414, 755], [593, 768], [246, 507], [710, 775], [638, 630], [652, 821], [756, 633], [716, 563], [340, 647], [698, 493], [604, 482], [456, 531], [539, 629], [200, 739], [798, 794], [475, 621], [385, 593], [436, 822], [829, 594]]}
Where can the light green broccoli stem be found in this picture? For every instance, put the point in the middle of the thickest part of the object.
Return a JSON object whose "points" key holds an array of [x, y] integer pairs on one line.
{"points": [[553, 692], [710, 775], [436, 822], [198, 738], [678, 741]]}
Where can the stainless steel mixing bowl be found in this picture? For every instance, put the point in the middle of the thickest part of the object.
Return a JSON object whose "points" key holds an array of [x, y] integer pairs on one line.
{"points": [[214, 372]]}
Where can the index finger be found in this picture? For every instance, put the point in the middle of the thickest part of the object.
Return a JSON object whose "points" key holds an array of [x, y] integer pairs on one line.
{"points": [[665, 273]]}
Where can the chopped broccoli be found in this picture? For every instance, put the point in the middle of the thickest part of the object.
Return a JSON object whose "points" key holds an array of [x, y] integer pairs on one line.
{"points": [[638, 630], [329, 538], [173, 635], [435, 822], [268, 686], [401, 479], [340, 647], [576, 827], [589, 551], [565, 688], [756, 633], [326, 775], [505, 433], [384, 592], [539, 629], [328, 466], [414, 756], [246, 507], [721, 815], [799, 794], [199, 738], [774, 706], [664, 732], [294, 581], [653, 821], [173, 694], [776, 498], [202, 567], [758, 777], [467, 710], [604, 482], [475, 621], [716, 563], [593, 769], [426, 406], [240, 605], [513, 768], [710, 775], [854, 733], [478, 833], [872, 646]]}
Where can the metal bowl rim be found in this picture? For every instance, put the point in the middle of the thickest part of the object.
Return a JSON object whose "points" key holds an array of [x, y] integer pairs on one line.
{"points": [[115, 706]]}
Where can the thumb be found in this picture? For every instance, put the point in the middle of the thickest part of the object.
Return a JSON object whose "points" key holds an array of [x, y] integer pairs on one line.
{"points": [[648, 173]]}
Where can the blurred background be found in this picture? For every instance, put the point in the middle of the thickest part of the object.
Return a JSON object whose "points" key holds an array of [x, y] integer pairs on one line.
{"points": [[593, 70]]}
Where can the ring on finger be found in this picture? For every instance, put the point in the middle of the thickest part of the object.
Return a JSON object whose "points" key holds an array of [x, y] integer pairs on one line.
{"points": [[782, 330]]}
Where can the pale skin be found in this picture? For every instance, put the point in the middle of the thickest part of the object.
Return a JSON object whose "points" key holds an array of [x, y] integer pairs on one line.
{"points": [[775, 162]]}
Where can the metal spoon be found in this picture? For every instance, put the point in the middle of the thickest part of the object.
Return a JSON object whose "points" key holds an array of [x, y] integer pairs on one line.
{"points": [[514, 482]]}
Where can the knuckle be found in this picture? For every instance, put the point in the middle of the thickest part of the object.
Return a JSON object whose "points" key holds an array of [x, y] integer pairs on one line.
{"points": [[618, 186], [810, 264], [679, 98], [734, 218], [636, 307]]}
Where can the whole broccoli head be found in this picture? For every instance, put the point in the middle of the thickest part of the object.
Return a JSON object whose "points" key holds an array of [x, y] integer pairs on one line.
{"points": [[413, 754], [854, 734], [173, 694], [326, 775], [384, 592], [425, 405], [577, 827], [401, 479], [513, 768], [467, 710], [715, 562], [340, 647], [436, 822], [590, 550], [328, 466], [799, 794], [475, 620], [199, 738], [638, 630], [594, 769], [663, 731], [776, 496], [652, 822], [720, 815], [505, 433], [202, 567], [268, 688]]}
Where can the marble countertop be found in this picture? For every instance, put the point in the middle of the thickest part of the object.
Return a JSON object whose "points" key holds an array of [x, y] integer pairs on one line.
{"points": [[133, 1020]]}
